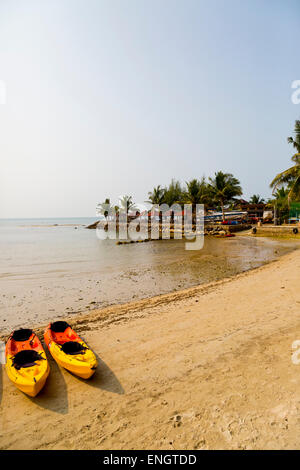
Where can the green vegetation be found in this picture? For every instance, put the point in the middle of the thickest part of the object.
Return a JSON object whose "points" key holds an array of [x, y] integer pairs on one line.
{"points": [[290, 178], [156, 196], [173, 193], [280, 204], [286, 185], [221, 191], [197, 192], [256, 199], [218, 191], [224, 188]]}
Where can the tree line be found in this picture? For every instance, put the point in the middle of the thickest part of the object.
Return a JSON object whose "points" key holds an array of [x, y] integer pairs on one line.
{"points": [[221, 190], [216, 192]]}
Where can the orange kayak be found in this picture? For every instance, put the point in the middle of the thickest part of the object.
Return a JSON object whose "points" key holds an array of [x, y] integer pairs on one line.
{"points": [[26, 361], [69, 350]]}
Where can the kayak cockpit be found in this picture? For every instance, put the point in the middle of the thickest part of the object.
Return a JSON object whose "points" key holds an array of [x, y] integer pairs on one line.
{"points": [[59, 326], [73, 347], [26, 358], [21, 335]]}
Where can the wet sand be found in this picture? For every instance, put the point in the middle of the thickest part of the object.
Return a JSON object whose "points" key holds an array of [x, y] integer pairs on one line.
{"points": [[46, 274], [205, 368]]}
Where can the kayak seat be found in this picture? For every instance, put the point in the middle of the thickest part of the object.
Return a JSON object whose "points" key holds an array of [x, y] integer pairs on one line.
{"points": [[21, 335], [59, 326], [73, 347], [26, 358]]}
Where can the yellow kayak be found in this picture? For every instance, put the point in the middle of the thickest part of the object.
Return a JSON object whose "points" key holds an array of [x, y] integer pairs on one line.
{"points": [[69, 350], [26, 362]]}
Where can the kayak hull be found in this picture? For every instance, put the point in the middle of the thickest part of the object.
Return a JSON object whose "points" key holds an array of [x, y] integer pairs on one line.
{"points": [[83, 364], [28, 385], [28, 377], [82, 369]]}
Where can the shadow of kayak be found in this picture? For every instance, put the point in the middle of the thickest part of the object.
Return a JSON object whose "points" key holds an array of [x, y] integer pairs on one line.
{"points": [[54, 395], [103, 379]]}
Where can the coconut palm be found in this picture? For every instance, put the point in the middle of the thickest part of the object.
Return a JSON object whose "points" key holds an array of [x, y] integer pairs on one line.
{"points": [[295, 141], [256, 199], [291, 176], [127, 204], [156, 196], [280, 203], [104, 208], [224, 187], [281, 193], [173, 193], [197, 192]]}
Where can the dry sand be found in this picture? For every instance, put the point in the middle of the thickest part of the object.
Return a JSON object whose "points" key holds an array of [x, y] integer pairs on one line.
{"points": [[205, 368]]}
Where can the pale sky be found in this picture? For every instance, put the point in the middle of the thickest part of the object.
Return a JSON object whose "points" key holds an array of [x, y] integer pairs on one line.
{"points": [[113, 97]]}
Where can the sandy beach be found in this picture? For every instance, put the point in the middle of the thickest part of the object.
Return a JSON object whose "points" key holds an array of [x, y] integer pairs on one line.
{"points": [[149, 228], [205, 368]]}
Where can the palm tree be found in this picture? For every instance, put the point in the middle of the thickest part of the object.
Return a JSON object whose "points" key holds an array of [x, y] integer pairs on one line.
{"points": [[281, 193], [224, 187], [256, 199], [295, 142], [157, 195], [197, 192], [280, 203], [127, 204], [291, 176], [104, 208], [173, 195]]}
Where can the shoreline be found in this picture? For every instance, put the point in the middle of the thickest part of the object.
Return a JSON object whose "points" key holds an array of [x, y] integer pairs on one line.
{"points": [[205, 368], [108, 313], [86, 275]]}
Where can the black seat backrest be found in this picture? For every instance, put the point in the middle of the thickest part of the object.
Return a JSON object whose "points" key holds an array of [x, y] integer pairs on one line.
{"points": [[59, 326], [21, 335], [26, 358], [73, 347]]}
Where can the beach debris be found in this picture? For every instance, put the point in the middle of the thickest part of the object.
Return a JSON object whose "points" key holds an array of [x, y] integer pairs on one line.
{"points": [[127, 242]]}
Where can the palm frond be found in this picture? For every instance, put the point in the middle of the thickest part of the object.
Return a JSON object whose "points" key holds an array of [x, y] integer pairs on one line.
{"points": [[294, 192], [284, 177]]}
